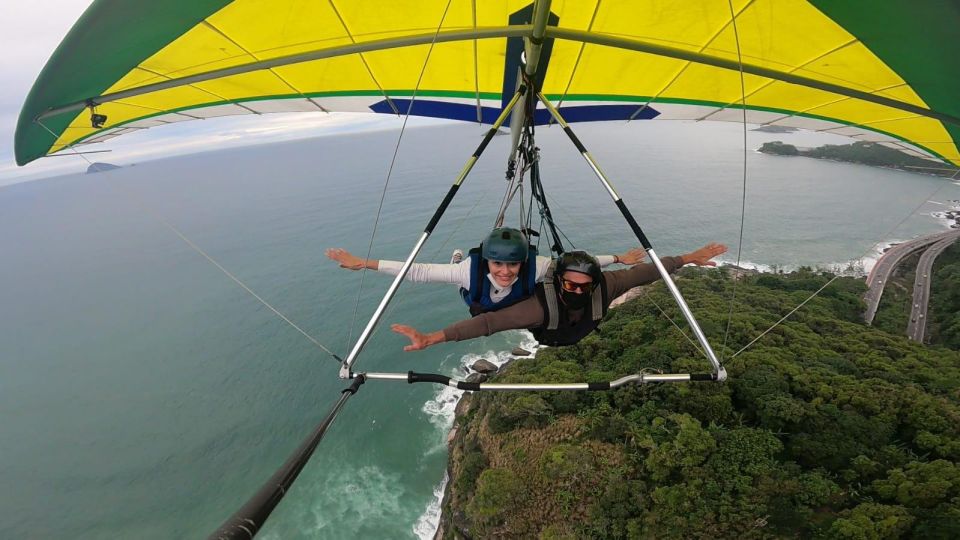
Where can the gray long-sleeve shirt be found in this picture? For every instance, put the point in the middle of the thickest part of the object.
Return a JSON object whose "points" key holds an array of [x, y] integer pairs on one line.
{"points": [[529, 313]]}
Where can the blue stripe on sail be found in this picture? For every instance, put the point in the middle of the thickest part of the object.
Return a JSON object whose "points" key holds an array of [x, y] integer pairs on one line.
{"points": [[468, 113]]}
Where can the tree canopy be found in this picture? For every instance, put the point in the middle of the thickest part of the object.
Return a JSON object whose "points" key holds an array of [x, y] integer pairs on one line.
{"points": [[826, 428]]}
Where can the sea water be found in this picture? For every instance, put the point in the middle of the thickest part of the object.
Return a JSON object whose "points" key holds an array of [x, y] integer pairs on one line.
{"points": [[145, 394]]}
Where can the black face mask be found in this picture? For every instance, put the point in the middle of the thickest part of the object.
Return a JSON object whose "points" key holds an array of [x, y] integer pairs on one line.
{"points": [[575, 300]]}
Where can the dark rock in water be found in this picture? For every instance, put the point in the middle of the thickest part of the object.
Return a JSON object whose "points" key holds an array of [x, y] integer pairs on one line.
{"points": [[519, 351], [100, 167], [483, 366], [478, 378]]}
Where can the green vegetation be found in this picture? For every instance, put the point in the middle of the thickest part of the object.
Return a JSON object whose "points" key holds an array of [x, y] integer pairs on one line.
{"points": [[827, 428], [944, 323], [779, 148], [865, 153]]}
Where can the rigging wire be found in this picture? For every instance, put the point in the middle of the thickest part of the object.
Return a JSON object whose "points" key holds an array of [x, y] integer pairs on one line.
{"points": [[393, 161], [213, 261], [567, 217], [401, 301], [837, 276], [646, 296], [743, 214], [743, 200], [526, 161]]}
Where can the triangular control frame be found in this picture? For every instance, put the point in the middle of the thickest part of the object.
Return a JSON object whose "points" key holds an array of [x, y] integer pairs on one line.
{"points": [[516, 106]]}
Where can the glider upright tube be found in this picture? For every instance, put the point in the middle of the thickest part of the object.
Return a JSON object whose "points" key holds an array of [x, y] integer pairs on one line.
{"points": [[345, 369], [691, 320], [533, 45]]}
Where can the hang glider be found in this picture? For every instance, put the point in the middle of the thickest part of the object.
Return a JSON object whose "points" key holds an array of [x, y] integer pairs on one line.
{"points": [[886, 73], [883, 72]]}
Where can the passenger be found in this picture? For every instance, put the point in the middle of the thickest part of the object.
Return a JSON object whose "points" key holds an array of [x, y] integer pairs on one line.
{"points": [[567, 306], [493, 276]]}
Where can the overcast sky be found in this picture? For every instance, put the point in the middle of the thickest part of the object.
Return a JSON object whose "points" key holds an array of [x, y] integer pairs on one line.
{"points": [[31, 33]]}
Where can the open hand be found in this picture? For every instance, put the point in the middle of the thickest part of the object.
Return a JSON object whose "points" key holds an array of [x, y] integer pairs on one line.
{"points": [[418, 340], [345, 258], [702, 256], [632, 257]]}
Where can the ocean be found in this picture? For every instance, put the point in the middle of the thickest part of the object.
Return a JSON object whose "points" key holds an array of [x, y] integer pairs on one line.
{"points": [[144, 394]]}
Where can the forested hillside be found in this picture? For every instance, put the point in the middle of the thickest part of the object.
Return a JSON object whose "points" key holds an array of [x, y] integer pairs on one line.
{"points": [[945, 299], [865, 153], [826, 428]]}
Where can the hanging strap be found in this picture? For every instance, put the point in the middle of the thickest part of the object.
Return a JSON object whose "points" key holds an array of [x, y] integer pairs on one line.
{"points": [[538, 195], [550, 297], [597, 306], [525, 159]]}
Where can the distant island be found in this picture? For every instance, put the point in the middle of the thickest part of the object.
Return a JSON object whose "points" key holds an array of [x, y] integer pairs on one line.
{"points": [[100, 167], [776, 129], [864, 153]]}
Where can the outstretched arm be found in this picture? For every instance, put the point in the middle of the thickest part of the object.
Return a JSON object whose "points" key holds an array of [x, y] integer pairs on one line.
{"points": [[524, 314], [419, 272], [418, 340], [350, 261], [620, 281], [631, 257], [702, 256], [628, 258]]}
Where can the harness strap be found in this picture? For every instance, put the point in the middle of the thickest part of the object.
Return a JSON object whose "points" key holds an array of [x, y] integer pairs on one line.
{"points": [[598, 301], [477, 276], [550, 295]]}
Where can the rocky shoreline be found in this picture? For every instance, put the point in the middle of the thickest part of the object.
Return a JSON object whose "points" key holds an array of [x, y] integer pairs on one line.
{"points": [[481, 372], [952, 215]]}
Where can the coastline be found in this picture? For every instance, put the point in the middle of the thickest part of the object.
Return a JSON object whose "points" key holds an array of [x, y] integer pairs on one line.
{"points": [[434, 520], [449, 404], [580, 467], [444, 409]]}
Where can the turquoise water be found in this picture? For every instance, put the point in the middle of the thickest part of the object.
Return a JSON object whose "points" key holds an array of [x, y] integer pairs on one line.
{"points": [[144, 394]]}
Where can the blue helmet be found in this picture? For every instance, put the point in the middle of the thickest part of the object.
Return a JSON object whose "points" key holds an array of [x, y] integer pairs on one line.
{"points": [[506, 245]]}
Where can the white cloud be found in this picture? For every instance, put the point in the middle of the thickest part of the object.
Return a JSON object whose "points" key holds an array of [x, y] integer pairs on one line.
{"points": [[202, 136], [31, 34]]}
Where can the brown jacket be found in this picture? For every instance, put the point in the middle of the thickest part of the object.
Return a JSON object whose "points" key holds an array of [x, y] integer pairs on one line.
{"points": [[529, 313]]}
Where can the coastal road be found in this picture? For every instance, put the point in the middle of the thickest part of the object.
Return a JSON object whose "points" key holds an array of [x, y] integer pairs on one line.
{"points": [[917, 326], [887, 263]]}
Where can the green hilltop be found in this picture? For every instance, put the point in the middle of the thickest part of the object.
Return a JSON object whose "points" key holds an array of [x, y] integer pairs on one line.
{"points": [[826, 428], [864, 153]]}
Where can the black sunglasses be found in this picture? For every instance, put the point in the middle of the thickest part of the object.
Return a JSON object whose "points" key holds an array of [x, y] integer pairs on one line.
{"points": [[573, 286]]}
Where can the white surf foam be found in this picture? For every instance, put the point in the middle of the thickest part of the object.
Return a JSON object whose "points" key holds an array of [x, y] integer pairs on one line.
{"points": [[362, 494], [856, 267], [947, 218], [426, 526], [749, 265], [440, 411]]}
